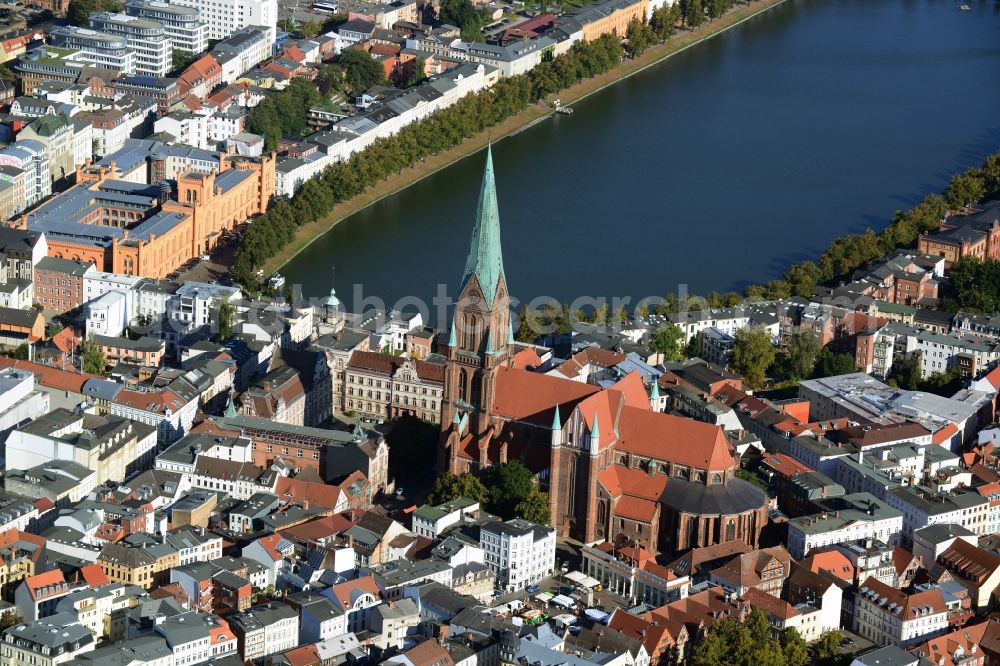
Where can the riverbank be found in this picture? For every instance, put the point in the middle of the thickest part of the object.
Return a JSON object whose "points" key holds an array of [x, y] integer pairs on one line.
{"points": [[537, 112]]}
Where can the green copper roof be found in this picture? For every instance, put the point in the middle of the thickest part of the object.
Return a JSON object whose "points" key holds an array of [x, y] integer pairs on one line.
{"points": [[595, 431], [556, 421], [485, 257], [453, 338], [230, 408], [655, 393], [510, 332]]}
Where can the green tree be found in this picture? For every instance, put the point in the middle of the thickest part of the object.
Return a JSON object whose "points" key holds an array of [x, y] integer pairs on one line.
{"points": [[693, 347], [22, 352], [450, 486], [692, 12], [663, 21], [668, 340], [361, 70], [907, 373], [752, 355], [964, 189], [638, 37], [509, 484], [93, 358], [752, 478], [179, 60], [794, 648], [826, 649], [10, 619], [463, 15], [534, 507], [79, 11], [830, 364], [227, 319], [803, 347], [310, 28]]}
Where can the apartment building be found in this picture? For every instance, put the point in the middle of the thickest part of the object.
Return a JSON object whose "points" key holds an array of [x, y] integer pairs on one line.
{"points": [[518, 552], [849, 518], [384, 386], [887, 616]]}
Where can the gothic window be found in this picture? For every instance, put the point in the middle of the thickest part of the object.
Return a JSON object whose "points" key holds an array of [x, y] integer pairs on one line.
{"points": [[477, 387], [462, 386], [716, 479], [730, 530]]}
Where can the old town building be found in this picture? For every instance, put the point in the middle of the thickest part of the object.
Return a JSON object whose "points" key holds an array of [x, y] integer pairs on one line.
{"points": [[385, 386]]}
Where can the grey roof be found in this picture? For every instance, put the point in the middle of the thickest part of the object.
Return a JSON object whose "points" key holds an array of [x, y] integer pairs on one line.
{"points": [[141, 649], [56, 632], [67, 266], [735, 496]]}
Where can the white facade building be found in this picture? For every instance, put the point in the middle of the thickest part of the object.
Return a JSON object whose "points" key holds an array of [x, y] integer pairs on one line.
{"points": [[862, 516], [183, 25], [519, 552], [224, 17], [146, 39]]}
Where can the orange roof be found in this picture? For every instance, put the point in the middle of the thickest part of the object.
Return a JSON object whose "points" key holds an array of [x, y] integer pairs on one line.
{"points": [[94, 575], [526, 358], [906, 605], [942, 650], [633, 389], [220, 633], [666, 437], [830, 560], [63, 380], [65, 340], [993, 377], [654, 636], [769, 603], [347, 592], [521, 395], [318, 494], [634, 508], [306, 655], [785, 465], [944, 434], [621, 480], [40, 581]]}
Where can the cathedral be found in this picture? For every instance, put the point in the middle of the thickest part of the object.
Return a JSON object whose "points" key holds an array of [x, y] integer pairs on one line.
{"points": [[615, 469]]}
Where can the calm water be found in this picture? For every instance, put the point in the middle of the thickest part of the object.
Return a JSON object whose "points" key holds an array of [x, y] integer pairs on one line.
{"points": [[715, 168]]}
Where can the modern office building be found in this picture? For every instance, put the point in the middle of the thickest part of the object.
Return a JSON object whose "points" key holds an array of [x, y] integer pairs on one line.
{"points": [[184, 26], [96, 48], [224, 17], [146, 39]]}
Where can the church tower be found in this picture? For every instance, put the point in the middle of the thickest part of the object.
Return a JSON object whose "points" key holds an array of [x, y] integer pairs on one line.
{"points": [[480, 336]]}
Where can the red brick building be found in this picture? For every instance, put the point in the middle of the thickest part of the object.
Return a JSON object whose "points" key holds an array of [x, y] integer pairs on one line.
{"points": [[59, 283], [615, 469]]}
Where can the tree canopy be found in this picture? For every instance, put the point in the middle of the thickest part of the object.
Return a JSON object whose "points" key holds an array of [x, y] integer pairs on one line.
{"points": [[448, 487], [361, 70], [464, 16], [283, 112], [93, 358], [668, 340], [748, 643], [752, 355], [79, 11], [803, 347]]}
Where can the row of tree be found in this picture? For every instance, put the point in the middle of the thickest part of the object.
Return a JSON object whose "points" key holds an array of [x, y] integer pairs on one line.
{"points": [[285, 113], [849, 253], [506, 490], [975, 284]]}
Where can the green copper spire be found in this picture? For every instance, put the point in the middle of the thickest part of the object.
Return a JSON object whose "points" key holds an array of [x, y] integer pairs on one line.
{"points": [[230, 408], [453, 338], [655, 393], [489, 343], [556, 420], [485, 258], [456, 420], [510, 332], [595, 431]]}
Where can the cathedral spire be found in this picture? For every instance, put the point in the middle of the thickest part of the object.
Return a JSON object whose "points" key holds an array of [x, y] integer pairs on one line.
{"points": [[485, 257]]}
